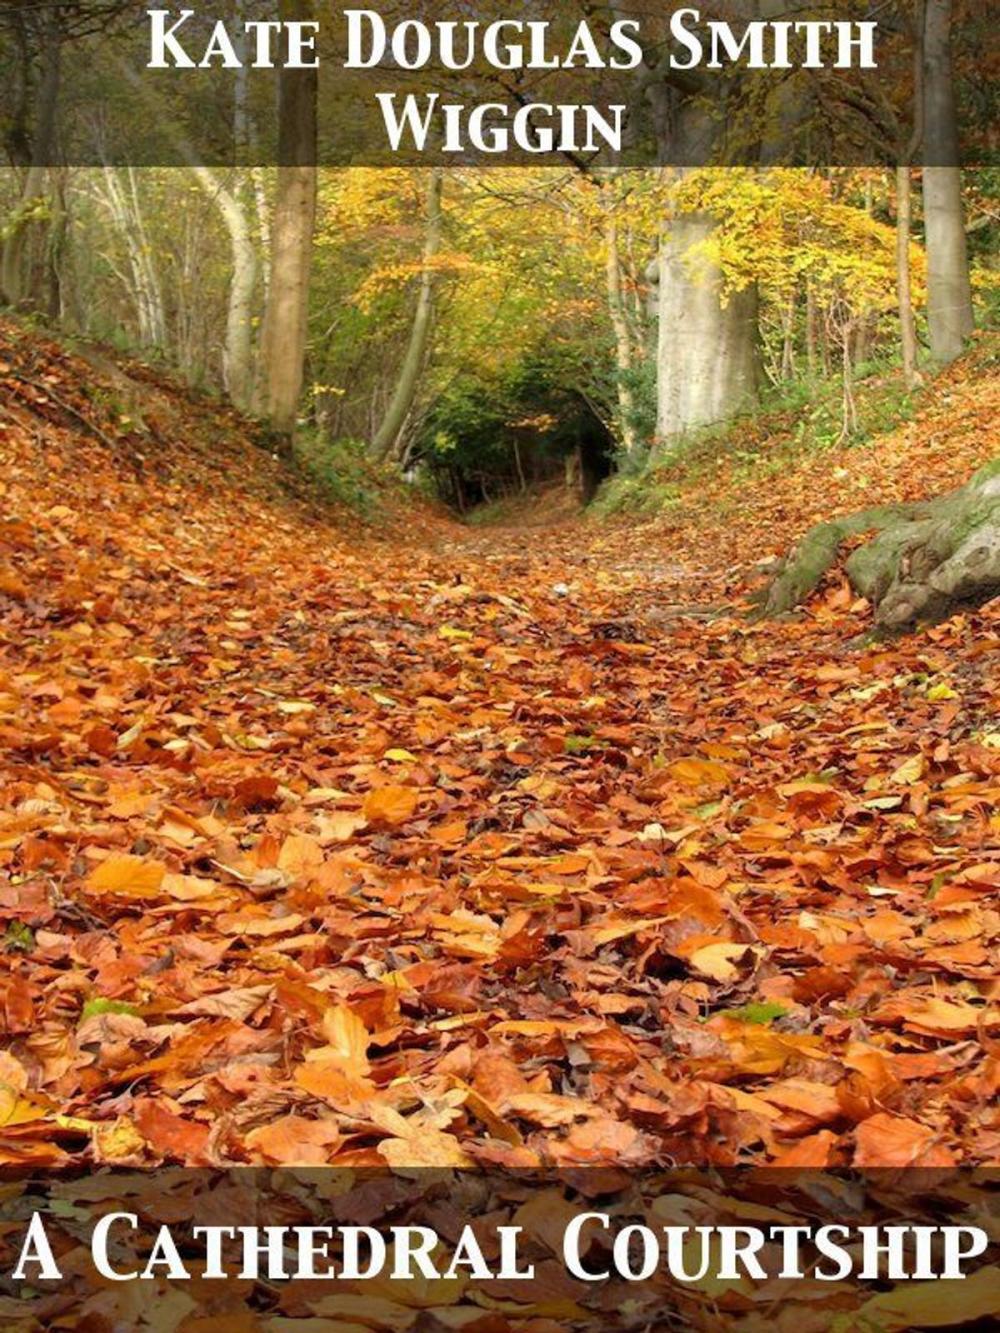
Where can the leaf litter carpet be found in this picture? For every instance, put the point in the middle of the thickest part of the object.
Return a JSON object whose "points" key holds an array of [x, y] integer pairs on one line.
{"points": [[321, 844]]}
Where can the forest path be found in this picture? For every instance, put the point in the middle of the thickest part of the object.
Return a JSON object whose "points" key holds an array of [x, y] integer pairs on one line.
{"points": [[449, 844]]}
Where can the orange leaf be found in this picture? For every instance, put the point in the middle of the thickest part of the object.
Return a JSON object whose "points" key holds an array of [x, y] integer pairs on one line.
{"points": [[300, 855], [328, 1081], [699, 773], [295, 1141], [891, 1140], [347, 1039], [170, 1135], [390, 805], [428, 1148]]}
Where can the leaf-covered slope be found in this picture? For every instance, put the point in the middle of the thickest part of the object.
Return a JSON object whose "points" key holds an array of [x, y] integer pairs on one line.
{"points": [[757, 492], [468, 846]]}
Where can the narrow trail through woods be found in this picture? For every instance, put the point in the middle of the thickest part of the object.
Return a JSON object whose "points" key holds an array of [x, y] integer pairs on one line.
{"points": [[446, 845]]}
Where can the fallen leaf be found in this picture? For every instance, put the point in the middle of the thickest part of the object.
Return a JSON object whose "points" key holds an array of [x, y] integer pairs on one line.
{"points": [[390, 805], [129, 876]]}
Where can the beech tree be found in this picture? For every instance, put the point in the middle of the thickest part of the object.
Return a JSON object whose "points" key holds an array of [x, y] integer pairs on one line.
{"points": [[283, 343], [388, 433], [238, 367], [949, 293], [707, 352]]}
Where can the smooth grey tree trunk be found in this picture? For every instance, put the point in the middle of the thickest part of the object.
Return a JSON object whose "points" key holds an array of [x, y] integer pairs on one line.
{"points": [[237, 354], [293, 226], [237, 357], [624, 357], [707, 354], [118, 190], [949, 290], [904, 278], [388, 433]]}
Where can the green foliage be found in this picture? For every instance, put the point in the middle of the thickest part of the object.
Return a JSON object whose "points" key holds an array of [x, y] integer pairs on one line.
{"points": [[639, 493], [18, 938], [340, 469], [98, 1005], [528, 408], [760, 1013], [883, 401], [641, 382], [581, 744]]}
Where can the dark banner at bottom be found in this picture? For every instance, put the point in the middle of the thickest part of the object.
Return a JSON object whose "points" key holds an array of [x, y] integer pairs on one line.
{"points": [[429, 1250]]}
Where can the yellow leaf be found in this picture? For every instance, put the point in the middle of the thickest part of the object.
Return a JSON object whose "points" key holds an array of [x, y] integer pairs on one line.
{"points": [[427, 1148], [941, 691], [128, 875], [117, 1141], [699, 773], [401, 757], [74, 1123], [910, 772], [347, 1041], [17, 1108], [718, 961], [934, 1304]]}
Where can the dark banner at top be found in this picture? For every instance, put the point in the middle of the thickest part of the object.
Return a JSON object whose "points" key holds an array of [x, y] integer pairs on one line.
{"points": [[509, 82]]}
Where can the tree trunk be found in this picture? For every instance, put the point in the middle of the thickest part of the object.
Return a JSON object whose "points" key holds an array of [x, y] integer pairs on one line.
{"points": [[707, 358], [22, 280], [293, 225], [237, 357], [284, 340], [787, 371], [904, 284], [949, 291], [623, 339], [812, 336], [237, 354], [405, 391], [923, 561], [125, 208]]}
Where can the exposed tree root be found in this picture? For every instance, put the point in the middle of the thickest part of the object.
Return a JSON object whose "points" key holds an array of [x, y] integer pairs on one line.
{"points": [[922, 561]]}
